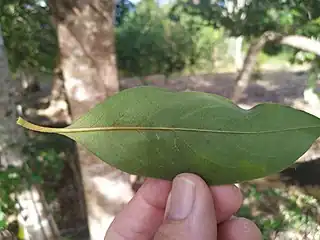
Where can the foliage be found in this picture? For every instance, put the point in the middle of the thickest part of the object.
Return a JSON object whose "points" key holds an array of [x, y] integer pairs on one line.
{"points": [[276, 211], [28, 34], [205, 134], [204, 40], [253, 18], [122, 8], [42, 165], [3, 222], [145, 44], [148, 43], [256, 17]]}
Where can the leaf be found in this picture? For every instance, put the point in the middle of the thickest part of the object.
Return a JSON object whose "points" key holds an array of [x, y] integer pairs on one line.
{"points": [[153, 132], [3, 222]]}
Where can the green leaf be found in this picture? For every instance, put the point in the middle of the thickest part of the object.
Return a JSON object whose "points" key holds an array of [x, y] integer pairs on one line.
{"points": [[153, 132], [3, 222]]}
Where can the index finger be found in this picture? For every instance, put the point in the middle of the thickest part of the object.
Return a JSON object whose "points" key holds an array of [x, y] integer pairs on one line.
{"points": [[143, 215]]}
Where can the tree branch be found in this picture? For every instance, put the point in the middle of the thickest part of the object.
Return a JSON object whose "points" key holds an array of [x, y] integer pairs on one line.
{"points": [[296, 41], [302, 43]]}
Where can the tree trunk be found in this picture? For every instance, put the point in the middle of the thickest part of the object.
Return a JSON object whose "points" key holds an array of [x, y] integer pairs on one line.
{"points": [[235, 43], [88, 68], [235, 50], [39, 223], [300, 42], [238, 53], [250, 61]]}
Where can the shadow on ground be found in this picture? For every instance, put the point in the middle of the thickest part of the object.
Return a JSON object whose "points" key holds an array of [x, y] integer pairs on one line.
{"points": [[274, 86]]}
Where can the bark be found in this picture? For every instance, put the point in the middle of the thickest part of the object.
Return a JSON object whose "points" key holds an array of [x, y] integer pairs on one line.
{"points": [[235, 50], [58, 110], [250, 61], [302, 43], [299, 42], [233, 8], [11, 142], [88, 69], [238, 53], [58, 91]]}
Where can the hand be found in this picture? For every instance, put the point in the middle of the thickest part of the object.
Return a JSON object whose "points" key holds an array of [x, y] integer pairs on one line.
{"points": [[191, 211]]}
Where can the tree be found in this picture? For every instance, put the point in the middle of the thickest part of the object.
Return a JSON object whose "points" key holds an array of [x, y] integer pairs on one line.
{"points": [[146, 44], [149, 42], [244, 76], [294, 23], [123, 8], [87, 67], [29, 35]]}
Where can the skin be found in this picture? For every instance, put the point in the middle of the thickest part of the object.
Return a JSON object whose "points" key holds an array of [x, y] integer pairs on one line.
{"points": [[184, 209]]}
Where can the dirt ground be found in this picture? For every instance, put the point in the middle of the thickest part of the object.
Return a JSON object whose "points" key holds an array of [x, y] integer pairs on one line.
{"points": [[274, 86]]}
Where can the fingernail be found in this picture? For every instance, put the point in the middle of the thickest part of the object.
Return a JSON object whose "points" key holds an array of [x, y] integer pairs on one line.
{"points": [[181, 199]]}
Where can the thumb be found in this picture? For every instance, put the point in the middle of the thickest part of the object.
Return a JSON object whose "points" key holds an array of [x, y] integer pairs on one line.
{"points": [[190, 212]]}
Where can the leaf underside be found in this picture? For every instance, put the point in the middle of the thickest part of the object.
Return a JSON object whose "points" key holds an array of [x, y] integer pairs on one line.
{"points": [[157, 133]]}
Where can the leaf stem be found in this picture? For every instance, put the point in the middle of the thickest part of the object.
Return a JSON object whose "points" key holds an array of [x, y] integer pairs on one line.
{"points": [[37, 128]]}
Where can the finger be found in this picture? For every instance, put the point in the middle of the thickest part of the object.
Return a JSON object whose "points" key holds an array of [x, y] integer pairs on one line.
{"points": [[144, 213], [238, 229], [190, 211], [227, 201]]}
